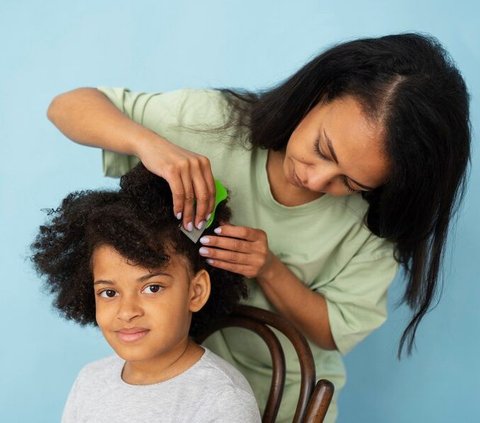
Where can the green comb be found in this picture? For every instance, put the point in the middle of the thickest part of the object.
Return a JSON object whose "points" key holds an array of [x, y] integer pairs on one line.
{"points": [[221, 194]]}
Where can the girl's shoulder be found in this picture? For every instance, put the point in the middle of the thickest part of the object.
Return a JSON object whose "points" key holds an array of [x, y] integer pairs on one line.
{"points": [[224, 370], [103, 369]]}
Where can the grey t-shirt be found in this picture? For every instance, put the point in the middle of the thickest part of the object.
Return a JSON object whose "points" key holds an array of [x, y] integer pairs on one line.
{"points": [[209, 391]]}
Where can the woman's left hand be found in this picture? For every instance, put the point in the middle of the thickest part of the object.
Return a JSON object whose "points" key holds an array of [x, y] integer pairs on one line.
{"points": [[238, 249]]}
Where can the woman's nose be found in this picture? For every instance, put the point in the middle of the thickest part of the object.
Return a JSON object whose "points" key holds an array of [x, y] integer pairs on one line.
{"points": [[320, 178], [129, 309]]}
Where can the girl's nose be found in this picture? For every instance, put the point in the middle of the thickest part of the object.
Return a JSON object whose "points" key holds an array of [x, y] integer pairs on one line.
{"points": [[129, 309]]}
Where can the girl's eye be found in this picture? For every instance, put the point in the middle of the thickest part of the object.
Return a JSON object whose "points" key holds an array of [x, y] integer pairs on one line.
{"points": [[108, 293], [152, 289]]}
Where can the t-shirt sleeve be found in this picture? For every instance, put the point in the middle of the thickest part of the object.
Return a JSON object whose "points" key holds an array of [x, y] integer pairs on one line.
{"points": [[236, 406], [135, 105], [72, 406], [357, 297], [167, 114]]}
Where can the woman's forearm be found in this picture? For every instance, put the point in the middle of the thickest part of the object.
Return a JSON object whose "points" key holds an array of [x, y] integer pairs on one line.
{"points": [[244, 250], [306, 309], [87, 117]]}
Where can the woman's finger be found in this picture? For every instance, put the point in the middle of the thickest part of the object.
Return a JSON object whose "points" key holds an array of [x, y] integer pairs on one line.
{"points": [[226, 243], [189, 176], [189, 201], [178, 194], [240, 232], [238, 249], [204, 190], [209, 180], [225, 255]]}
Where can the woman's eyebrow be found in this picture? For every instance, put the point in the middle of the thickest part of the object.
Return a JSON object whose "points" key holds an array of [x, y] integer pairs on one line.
{"points": [[330, 147], [335, 159]]}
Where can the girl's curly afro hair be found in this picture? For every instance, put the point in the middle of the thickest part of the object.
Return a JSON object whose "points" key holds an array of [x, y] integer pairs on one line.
{"points": [[138, 221]]}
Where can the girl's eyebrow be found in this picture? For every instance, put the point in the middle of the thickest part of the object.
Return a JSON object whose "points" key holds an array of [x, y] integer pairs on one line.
{"points": [[152, 275], [103, 282], [335, 159], [140, 279]]}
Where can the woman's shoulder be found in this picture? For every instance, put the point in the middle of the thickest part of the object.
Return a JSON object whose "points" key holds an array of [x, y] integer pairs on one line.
{"points": [[200, 107], [344, 213], [353, 209], [356, 206], [198, 94], [185, 106]]}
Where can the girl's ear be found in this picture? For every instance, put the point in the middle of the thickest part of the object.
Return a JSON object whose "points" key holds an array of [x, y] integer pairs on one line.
{"points": [[199, 290]]}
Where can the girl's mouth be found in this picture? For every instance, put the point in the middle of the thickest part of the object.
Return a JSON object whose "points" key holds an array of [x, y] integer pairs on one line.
{"points": [[131, 335]]}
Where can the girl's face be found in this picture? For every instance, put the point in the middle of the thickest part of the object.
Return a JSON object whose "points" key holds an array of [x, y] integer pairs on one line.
{"points": [[145, 314], [336, 150]]}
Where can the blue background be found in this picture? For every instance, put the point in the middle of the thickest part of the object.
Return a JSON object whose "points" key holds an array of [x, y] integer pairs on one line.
{"points": [[48, 47]]}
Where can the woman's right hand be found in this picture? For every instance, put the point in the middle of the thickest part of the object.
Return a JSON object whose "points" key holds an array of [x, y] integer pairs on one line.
{"points": [[88, 117], [188, 174]]}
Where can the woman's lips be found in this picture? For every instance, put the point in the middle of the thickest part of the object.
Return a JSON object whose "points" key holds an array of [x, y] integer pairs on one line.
{"points": [[131, 335], [296, 180]]}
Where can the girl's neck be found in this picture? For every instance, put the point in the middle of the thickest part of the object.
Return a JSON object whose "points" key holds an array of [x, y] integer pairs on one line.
{"points": [[160, 369]]}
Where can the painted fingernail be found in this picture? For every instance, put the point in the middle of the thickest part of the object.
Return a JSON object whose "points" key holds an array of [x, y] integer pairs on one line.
{"points": [[189, 227], [209, 261], [209, 216], [218, 230], [204, 239], [201, 224], [203, 251], [179, 215]]}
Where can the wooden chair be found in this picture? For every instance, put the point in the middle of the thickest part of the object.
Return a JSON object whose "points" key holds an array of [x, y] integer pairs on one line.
{"points": [[314, 397]]}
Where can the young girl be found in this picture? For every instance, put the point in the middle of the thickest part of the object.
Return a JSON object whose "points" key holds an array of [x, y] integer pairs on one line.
{"points": [[350, 166], [119, 260]]}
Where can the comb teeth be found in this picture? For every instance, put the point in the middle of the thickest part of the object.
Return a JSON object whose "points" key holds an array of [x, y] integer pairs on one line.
{"points": [[221, 194], [194, 234]]}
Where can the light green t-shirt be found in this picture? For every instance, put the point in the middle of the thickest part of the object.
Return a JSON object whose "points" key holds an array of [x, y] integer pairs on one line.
{"points": [[324, 242]]}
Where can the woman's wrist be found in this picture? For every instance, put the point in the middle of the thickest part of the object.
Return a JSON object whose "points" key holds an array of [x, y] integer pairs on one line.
{"points": [[272, 271], [141, 144]]}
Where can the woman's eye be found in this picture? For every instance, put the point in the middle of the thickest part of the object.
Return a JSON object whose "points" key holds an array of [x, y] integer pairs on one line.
{"points": [[108, 293], [152, 289], [318, 151], [347, 186]]}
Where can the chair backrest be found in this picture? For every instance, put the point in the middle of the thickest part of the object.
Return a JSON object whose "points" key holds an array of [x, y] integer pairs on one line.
{"points": [[314, 399]]}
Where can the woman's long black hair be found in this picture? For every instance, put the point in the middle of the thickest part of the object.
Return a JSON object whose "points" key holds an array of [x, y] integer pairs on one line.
{"points": [[409, 85]]}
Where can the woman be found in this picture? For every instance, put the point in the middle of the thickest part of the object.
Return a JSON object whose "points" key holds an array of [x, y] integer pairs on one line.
{"points": [[352, 165]]}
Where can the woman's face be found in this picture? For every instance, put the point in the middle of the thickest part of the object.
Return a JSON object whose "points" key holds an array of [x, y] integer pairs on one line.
{"points": [[336, 149]]}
